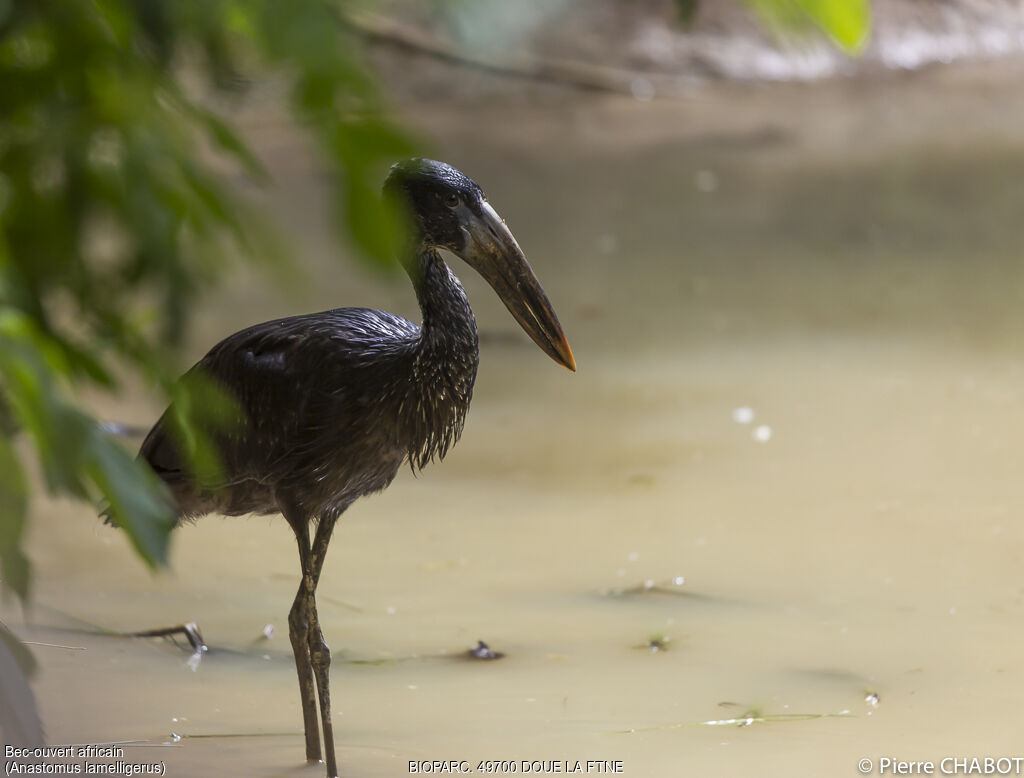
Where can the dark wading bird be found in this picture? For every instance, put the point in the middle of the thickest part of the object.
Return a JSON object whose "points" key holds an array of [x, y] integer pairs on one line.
{"points": [[333, 403]]}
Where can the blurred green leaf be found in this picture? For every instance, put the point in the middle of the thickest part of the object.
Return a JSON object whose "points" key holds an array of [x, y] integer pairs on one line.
{"points": [[14, 565], [110, 209], [134, 497], [19, 651], [200, 413], [228, 140], [686, 10], [364, 147], [116, 214], [76, 457], [847, 22]]}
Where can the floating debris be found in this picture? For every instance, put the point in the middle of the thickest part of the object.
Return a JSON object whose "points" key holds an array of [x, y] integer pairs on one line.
{"points": [[872, 699], [762, 434], [743, 415], [257, 643], [670, 586], [380, 661], [656, 643], [189, 630], [223, 735], [483, 652], [746, 720]]}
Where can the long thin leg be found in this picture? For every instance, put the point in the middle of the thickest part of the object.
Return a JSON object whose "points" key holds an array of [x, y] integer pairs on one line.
{"points": [[298, 632], [320, 542], [319, 652]]}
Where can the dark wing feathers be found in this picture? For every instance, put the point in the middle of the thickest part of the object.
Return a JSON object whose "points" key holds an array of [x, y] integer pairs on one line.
{"points": [[287, 376]]}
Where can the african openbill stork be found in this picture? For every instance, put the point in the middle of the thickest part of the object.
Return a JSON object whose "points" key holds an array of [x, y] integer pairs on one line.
{"points": [[333, 403]]}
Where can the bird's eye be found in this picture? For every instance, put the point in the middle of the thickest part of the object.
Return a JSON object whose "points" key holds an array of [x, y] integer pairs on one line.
{"points": [[451, 200]]}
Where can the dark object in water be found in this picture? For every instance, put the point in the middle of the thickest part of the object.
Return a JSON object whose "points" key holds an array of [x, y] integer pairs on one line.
{"points": [[189, 630], [656, 643], [483, 652], [331, 404]]}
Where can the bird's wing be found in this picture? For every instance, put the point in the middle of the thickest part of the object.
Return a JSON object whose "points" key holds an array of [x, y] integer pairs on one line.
{"points": [[280, 375]]}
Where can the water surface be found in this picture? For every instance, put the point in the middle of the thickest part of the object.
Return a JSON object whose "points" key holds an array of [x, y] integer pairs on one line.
{"points": [[843, 262]]}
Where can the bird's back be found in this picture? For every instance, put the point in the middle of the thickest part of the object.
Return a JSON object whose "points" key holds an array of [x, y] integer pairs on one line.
{"points": [[319, 402]]}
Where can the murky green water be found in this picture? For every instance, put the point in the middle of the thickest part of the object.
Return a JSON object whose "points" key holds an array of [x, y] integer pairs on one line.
{"points": [[843, 262]]}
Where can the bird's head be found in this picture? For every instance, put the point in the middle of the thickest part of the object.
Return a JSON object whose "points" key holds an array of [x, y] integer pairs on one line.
{"points": [[448, 210]]}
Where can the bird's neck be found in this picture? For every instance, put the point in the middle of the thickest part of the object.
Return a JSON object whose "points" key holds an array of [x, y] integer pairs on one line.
{"points": [[448, 321], [446, 359]]}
